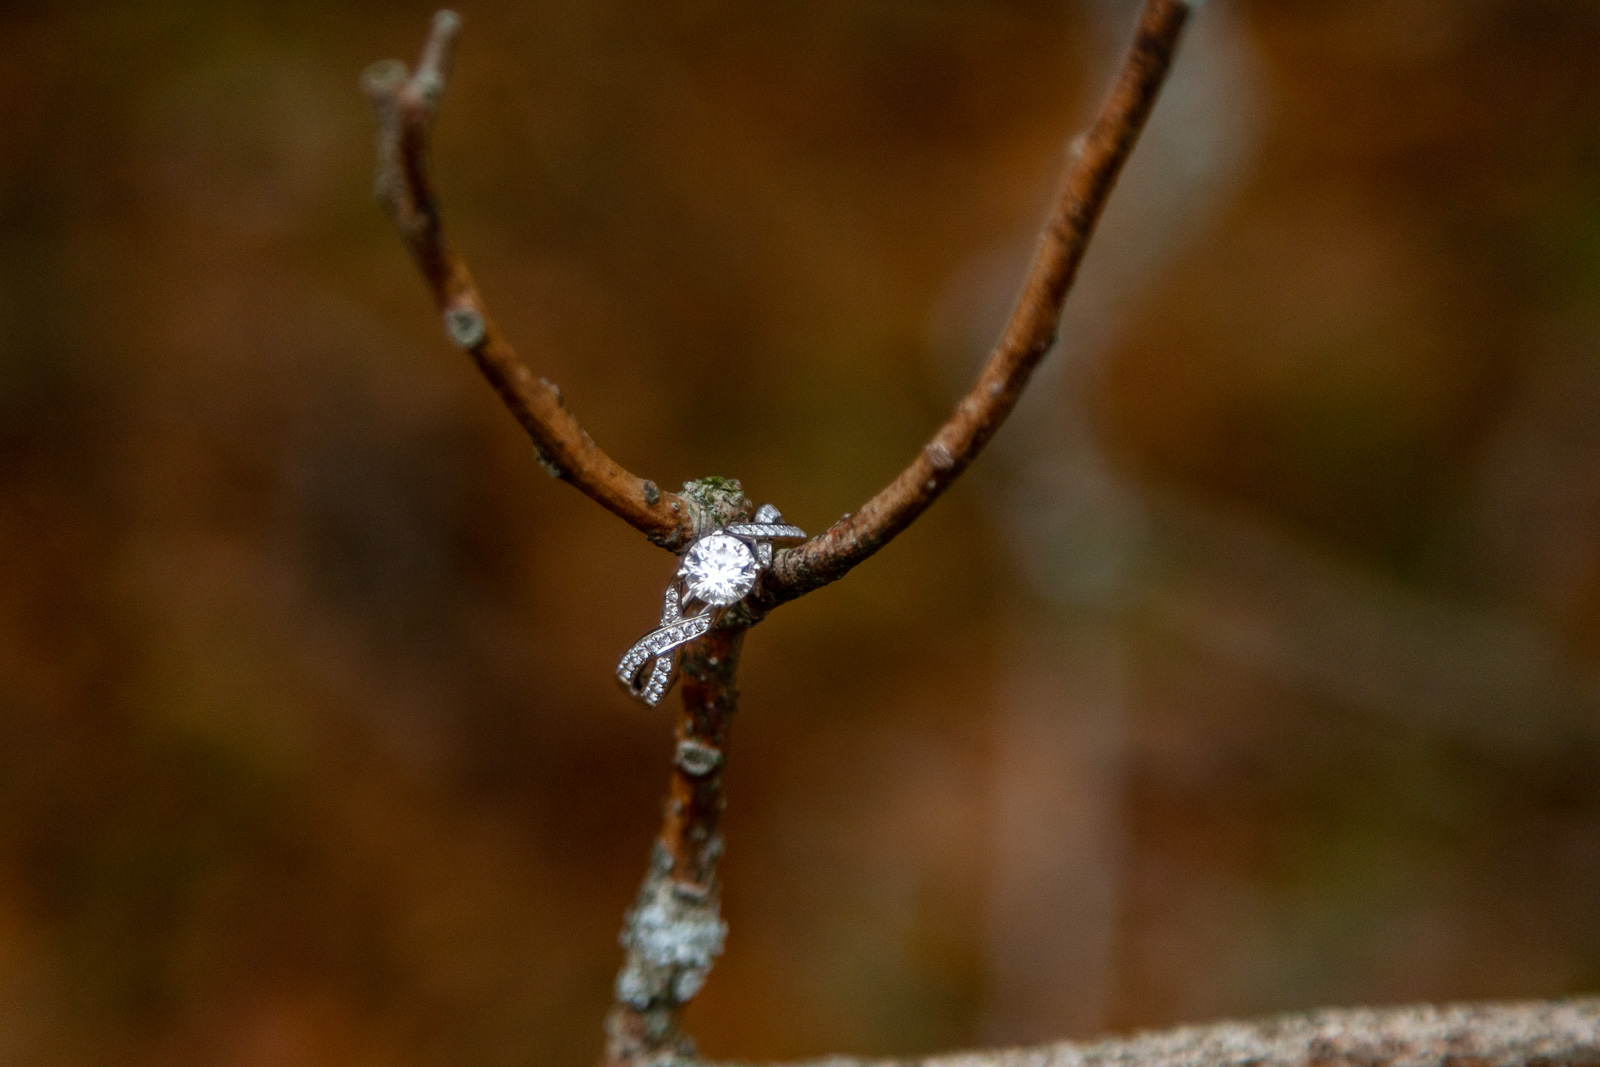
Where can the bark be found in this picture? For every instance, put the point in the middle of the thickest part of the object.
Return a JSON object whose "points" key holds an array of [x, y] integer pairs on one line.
{"points": [[675, 930], [1561, 1033]]}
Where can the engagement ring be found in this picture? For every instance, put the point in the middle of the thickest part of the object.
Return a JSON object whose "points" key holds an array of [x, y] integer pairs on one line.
{"points": [[717, 572]]}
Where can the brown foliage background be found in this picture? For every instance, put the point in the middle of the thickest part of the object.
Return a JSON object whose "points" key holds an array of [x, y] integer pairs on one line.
{"points": [[1255, 669]]}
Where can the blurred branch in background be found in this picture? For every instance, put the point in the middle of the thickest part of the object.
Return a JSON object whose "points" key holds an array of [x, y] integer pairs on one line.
{"points": [[1564, 1033], [1484, 680]]}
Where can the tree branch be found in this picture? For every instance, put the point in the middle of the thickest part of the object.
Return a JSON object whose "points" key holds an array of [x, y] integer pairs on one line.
{"points": [[675, 929], [1028, 336], [1562, 1033], [405, 106]]}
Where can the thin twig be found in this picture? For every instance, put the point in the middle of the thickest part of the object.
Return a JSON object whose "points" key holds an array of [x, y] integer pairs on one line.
{"points": [[1560, 1033], [675, 929], [1028, 336], [405, 105]]}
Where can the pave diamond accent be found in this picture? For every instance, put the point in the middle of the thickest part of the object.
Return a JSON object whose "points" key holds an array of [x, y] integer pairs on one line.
{"points": [[662, 644], [719, 570], [776, 531]]}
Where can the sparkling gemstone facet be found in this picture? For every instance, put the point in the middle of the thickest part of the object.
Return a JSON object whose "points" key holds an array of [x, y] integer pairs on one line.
{"points": [[719, 570]]}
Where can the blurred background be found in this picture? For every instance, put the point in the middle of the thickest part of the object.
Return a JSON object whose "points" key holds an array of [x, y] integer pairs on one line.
{"points": [[1256, 667]]}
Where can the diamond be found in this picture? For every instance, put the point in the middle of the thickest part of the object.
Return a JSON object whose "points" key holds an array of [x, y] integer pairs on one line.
{"points": [[719, 570]]}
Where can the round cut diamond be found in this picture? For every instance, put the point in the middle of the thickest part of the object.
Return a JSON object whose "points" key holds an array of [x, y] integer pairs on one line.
{"points": [[719, 570]]}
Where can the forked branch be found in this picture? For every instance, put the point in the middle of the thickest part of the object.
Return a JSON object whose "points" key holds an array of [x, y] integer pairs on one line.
{"points": [[405, 105], [675, 929]]}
